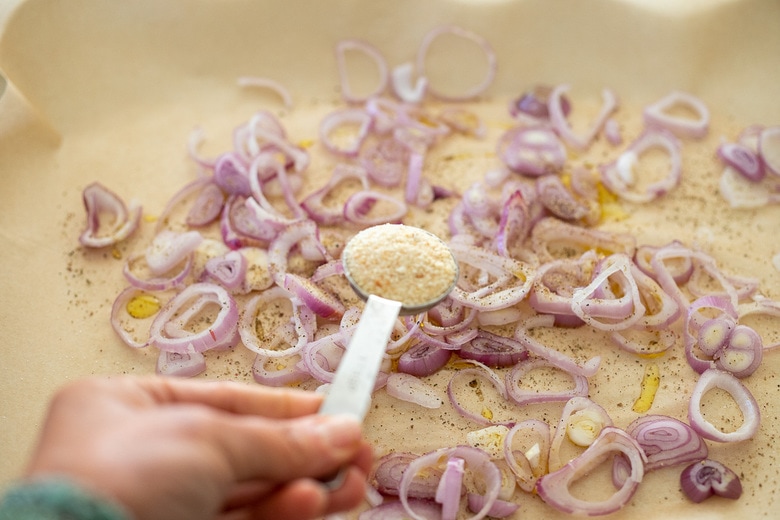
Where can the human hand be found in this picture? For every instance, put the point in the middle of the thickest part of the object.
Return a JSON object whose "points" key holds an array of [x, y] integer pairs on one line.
{"points": [[173, 449]]}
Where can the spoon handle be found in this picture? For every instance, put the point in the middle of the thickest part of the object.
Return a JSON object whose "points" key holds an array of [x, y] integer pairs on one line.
{"points": [[353, 384]]}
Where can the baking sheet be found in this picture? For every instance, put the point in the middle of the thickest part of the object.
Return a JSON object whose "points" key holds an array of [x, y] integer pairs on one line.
{"points": [[110, 90]]}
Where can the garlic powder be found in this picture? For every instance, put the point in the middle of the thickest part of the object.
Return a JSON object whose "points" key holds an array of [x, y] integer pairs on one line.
{"points": [[401, 263]]}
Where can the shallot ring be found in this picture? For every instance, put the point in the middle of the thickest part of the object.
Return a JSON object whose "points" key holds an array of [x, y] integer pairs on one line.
{"points": [[490, 56], [715, 378], [372, 52], [553, 488]]}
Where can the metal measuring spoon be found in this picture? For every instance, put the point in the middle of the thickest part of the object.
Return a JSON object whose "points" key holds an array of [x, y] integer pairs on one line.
{"points": [[352, 387]]}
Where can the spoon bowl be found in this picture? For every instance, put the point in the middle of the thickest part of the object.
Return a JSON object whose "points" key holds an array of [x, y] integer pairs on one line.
{"points": [[401, 263]]}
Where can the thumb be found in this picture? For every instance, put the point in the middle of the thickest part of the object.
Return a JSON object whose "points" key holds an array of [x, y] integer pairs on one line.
{"points": [[286, 449]]}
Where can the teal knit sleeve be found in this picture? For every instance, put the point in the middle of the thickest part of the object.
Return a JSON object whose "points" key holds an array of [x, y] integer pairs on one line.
{"points": [[56, 499]]}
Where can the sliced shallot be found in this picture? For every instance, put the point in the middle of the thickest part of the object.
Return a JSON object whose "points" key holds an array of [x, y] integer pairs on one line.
{"points": [[493, 349], [277, 372], [714, 378], [109, 220], [619, 175], [532, 150], [743, 159], [266, 345], [705, 478], [559, 200], [514, 225], [385, 161], [314, 202], [582, 422], [231, 174], [389, 470], [511, 284], [207, 206], [222, 331], [409, 388], [293, 235], [554, 488], [667, 441], [610, 313], [450, 488], [549, 232], [554, 357], [524, 396], [180, 364], [527, 466], [156, 283], [423, 359], [403, 85], [478, 372], [500, 508], [168, 249], [739, 192], [334, 124], [483, 44], [360, 208], [117, 312], [476, 462], [561, 125], [347, 92], [228, 270], [533, 104], [658, 115]]}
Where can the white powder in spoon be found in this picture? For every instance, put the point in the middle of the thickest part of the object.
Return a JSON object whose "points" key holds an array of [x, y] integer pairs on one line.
{"points": [[401, 263]]}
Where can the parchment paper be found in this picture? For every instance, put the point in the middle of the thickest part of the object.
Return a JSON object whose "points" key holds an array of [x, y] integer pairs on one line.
{"points": [[110, 90]]}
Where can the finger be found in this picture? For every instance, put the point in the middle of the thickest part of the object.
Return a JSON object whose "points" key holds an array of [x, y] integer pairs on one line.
{"points": [[283, 450], [305, 499], [350, 494], [246, 493], [233, 397], [364, 459], [301, 499], [297, 499]]}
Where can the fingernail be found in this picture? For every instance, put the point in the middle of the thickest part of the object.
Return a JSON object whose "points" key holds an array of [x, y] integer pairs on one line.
{"points": [[340, 431]]}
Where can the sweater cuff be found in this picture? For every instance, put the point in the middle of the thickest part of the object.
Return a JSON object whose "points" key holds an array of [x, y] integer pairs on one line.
{"points": [[56, 499]]}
